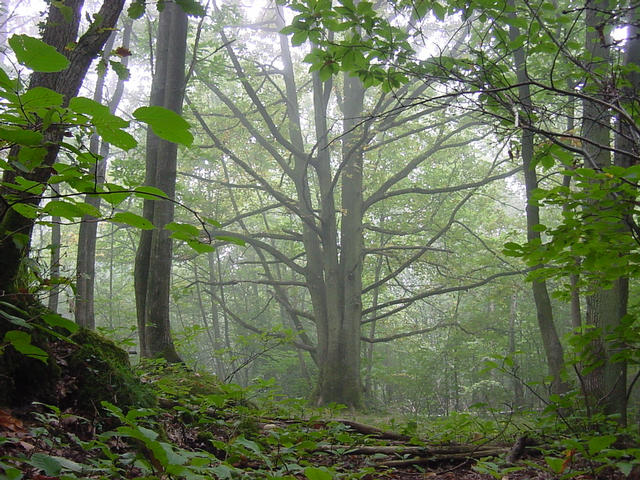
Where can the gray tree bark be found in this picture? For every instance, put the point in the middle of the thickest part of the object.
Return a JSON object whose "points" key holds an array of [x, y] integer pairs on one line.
{"points": [[606, 384], [152, 276], [544, 311]]}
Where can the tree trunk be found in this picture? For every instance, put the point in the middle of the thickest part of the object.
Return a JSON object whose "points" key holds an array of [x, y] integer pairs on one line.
{"points": [[154, 256], [54, 272], [86, 259], [544, 312], [606, 384]]}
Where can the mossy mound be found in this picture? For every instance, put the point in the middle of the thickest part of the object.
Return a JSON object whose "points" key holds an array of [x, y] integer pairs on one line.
{"points": [[98, 370], [178, 380]]}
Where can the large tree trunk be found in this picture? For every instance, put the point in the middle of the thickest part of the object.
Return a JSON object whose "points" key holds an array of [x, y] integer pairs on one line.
{"points": [[58, 32], [154, 255], [605, 385]]}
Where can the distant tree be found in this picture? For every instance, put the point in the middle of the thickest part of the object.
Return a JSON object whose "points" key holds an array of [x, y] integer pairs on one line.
{"points": [[86, 257]]}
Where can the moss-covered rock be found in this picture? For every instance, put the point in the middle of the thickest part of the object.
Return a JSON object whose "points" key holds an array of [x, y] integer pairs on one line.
{"points": [[98, 370]]}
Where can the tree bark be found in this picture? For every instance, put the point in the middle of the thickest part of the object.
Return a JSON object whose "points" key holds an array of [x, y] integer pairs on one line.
{"points": [[154, 256], [544, 311], [606, 384], [54, 272]]}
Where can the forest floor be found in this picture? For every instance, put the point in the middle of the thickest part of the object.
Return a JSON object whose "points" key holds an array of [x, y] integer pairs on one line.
{"points": [[201, 429], [42, 444]]}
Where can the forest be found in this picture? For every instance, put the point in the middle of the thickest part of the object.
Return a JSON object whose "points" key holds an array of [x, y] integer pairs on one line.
{"points": [[319, 239]]}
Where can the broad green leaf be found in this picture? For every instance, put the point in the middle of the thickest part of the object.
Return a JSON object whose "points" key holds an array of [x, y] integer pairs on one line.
{"points": [[40, 97], [234, 240], [20, 136], [37, 55], [166, 124], [192, 7], [18, 321], [6, 82], [556, 464], [313, 473], [200, 247], [21, 341], [49, 465], [149, 193], [121, 70], [117, 137], [599, 443], [31, 158], [87, 106], [64, 209], [66, 11], [26, 210], [55, 320], [184, 228], [132, 219], [116, 194]]}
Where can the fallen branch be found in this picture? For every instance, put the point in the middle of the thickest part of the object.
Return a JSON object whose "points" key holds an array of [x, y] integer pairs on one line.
{"points": [[483, 452]]}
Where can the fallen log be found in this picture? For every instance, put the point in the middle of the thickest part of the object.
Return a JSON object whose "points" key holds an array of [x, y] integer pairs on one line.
{"points": [[405, 462]]}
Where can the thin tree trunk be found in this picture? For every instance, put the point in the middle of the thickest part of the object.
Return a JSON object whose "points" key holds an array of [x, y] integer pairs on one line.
{"points": [[54, 273], [550, 339], [86, 259]]}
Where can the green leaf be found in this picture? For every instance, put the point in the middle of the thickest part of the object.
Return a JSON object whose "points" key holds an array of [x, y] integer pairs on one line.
{"points": [[132, 219], [136, 9], [192, 7], [149, 193], [599, 443], [26, 210], [40, 97], [87, 106], [166, 124], [121, 70], [313, 473], [20, 136], [116, 194], [184, 228], [200, 247], [625, 468], [234, 240], [67, 12], [556, 464], [37, 55], [55, 320], [6, 82], [68, 210], [116, 136], [31, 158], [48, 464], [21, 341], [299, 37]]}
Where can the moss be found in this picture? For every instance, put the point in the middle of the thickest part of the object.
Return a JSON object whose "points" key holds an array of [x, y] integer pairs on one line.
{"points": [[177, 380], [100, 371]]}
